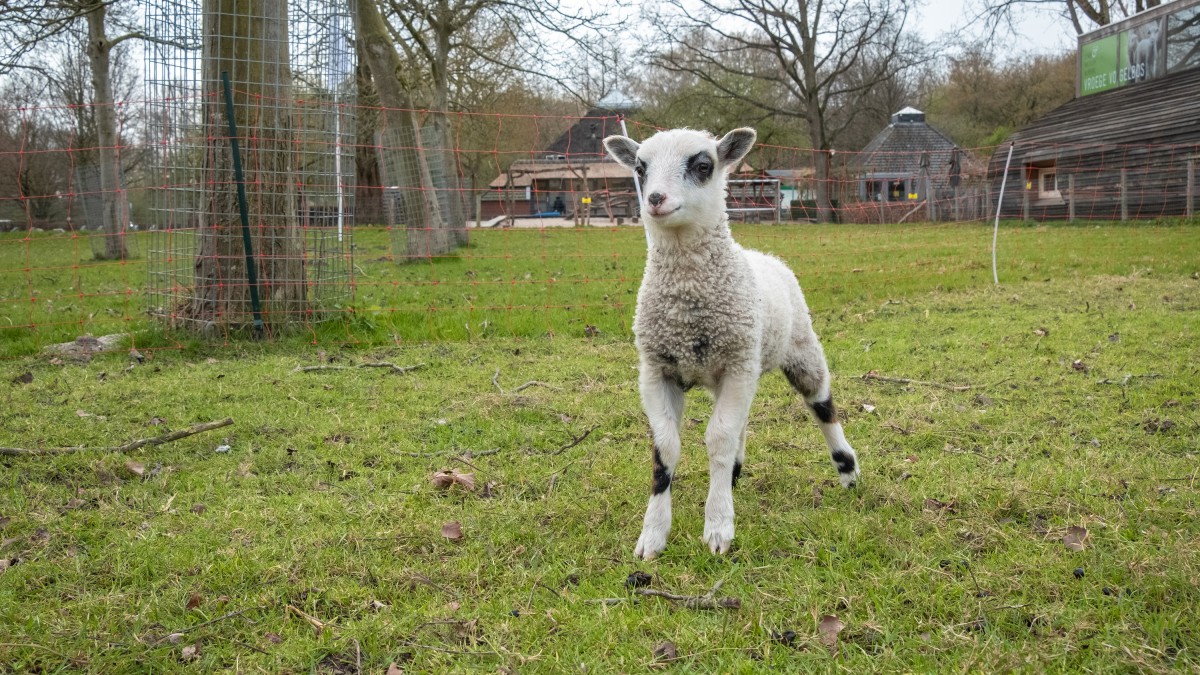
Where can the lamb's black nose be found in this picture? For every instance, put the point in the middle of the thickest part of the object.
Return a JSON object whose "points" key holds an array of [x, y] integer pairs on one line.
{"points": [[656, 198]]}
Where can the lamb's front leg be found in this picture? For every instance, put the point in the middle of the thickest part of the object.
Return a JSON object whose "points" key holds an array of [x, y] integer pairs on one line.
{"points": [[724, 438], [663, 401]]}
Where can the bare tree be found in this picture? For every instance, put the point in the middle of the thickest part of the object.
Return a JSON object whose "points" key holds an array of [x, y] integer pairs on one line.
{"points": [[29, 24], [821, 58], [1083, 15], [32, 173], [512, 34], [387, 74]]}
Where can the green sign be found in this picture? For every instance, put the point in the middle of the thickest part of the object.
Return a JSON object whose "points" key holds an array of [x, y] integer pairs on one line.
{"points": [[1100, 64], [1136, 54]]}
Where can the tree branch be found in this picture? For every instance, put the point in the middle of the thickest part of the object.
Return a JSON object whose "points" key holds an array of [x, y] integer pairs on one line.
{"points": [[132, 445]]}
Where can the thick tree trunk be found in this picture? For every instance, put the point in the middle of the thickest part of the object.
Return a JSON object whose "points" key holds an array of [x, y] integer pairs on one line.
{"points": [[409, 172], [816, 136], [249, 40], [452, 190], [112, 201], [368, 188]]}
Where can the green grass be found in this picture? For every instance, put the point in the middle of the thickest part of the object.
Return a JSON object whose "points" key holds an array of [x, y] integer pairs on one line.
{"points": [[530, 283], [948, 557]]}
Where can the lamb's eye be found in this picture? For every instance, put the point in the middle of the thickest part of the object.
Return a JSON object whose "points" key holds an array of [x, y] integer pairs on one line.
{"points": [[704, 168], [641, 171]]}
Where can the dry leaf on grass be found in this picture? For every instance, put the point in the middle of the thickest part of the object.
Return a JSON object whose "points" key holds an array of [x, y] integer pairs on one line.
{"points": [[194, 601], [447, 478], [1075, 538], [189, 652], [394, 669], [666, 651], [452, 530], [135, 468], [829, 627]]}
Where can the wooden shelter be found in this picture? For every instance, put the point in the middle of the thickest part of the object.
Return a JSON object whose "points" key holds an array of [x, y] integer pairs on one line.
{"points": [[1128, 144]]}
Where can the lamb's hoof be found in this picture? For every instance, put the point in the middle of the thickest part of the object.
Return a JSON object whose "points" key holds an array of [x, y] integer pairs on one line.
{"points": [[719, 537], [650, 544], [846, 463]]}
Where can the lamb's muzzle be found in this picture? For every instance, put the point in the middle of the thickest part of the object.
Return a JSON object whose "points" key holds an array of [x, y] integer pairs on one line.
{"points": [[711, 313]]}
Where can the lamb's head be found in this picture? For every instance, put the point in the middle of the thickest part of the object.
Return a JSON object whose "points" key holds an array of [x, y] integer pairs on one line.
{"points": [[682, 172]]}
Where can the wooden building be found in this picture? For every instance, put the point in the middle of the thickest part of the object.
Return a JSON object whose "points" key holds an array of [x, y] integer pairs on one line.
{"points": [[574, 178], [574, 168], [910, 169], [906, 162], [1128, 144]]}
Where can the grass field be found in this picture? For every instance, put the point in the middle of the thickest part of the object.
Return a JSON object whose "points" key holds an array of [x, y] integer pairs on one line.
{"points": [[1083, 412]]}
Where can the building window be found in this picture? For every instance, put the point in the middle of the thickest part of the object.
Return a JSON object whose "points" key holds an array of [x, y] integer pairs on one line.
{"points": [[887, 190], [1042, 180], [1049, 183]]}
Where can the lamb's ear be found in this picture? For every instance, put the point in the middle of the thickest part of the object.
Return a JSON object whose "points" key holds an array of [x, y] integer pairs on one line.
{"points": [[623, 149], [734, 146]]}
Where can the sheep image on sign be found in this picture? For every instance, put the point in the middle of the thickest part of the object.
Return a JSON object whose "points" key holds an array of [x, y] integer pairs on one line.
{"points": [[714, 314]]}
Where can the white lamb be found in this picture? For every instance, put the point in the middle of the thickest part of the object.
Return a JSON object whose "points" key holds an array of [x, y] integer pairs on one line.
{"points": [[714, 314]]}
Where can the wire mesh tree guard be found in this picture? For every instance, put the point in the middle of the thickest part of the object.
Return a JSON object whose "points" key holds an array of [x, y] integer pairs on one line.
{"points": [[291, 67]]}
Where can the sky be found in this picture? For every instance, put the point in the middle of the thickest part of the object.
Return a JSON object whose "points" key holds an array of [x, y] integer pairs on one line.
{"points": [[1038, 31]]}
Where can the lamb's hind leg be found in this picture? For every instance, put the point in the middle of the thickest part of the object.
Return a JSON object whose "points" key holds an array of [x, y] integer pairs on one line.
{"points": [[808, 373], [663, 402]]}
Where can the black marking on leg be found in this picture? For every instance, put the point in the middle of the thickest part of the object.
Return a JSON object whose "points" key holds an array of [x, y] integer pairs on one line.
{"points": [[824, 410], [843, 460], [737, 472], [662, 477], [799, 379]]}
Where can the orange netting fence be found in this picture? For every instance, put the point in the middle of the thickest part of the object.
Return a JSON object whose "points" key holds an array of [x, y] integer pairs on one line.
{"points": [[462, 225]]}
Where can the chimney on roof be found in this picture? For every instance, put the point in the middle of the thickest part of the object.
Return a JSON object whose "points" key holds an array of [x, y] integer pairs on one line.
{"points": [[908, 115]]}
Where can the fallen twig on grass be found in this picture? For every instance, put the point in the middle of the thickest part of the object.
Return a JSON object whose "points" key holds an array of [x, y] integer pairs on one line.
{"points": [[210, 622], [132, 445], [1129, 376], [519, 388], [534, 383], [399, 370], [37, 646], [706, 601], [574, 442], [316, 623], [941, 385]]}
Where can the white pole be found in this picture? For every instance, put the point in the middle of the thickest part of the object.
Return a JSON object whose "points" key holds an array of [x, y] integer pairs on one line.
{"points": [[1000, 203], [637, 184], [337, 169]]}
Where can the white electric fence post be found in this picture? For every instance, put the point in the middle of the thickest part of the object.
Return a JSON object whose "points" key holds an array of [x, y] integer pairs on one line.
{"points": [[999, 204], [637, 184]]}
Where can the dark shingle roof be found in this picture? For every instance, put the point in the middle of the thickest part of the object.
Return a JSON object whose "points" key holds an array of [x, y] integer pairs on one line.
{"points": [[585, 137], [1162, 111], [899, 148]]}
